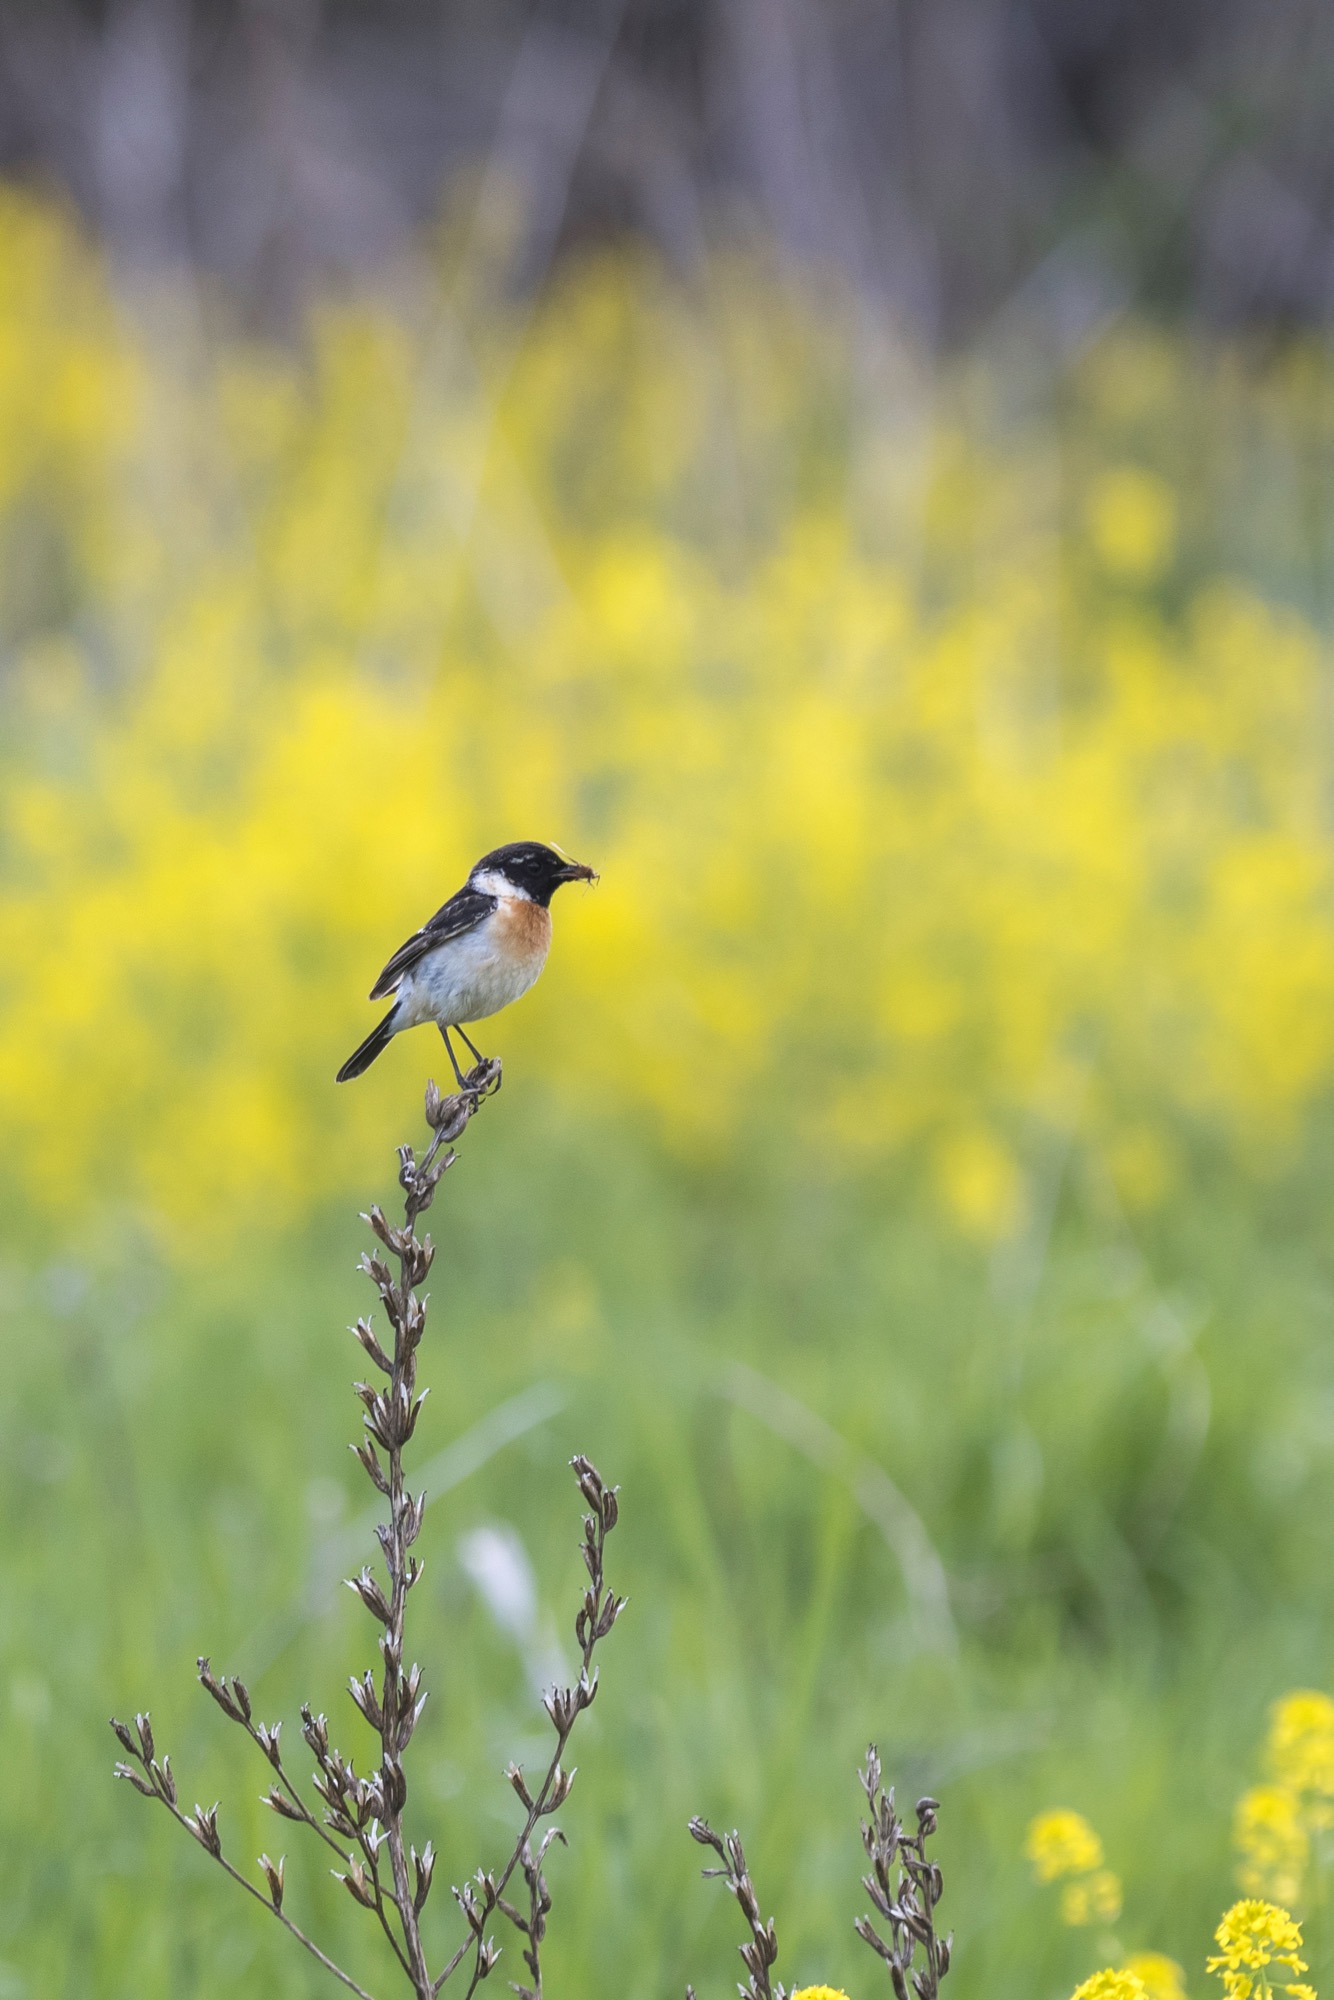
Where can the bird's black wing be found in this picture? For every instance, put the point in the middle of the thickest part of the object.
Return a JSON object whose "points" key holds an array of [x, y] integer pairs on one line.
{"points": [[465, 909]]}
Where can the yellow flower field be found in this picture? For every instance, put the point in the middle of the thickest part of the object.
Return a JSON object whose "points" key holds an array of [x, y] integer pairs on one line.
{"points": [[950, 787]]}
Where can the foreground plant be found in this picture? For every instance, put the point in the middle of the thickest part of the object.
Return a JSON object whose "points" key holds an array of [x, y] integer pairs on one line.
{"points": [[362, 1819], [904, 1885]]}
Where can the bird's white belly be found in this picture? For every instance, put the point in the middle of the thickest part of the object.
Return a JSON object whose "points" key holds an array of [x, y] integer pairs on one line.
{"points": [[470, 977]]}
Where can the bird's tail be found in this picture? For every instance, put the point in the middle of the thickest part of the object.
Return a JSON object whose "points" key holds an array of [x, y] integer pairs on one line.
{"points": [[374, 1045]]}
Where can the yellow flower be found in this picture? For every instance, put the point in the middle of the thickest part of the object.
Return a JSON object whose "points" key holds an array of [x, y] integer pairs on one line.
{"points": [[818, 1993], [1272, 1842], [1110, 1984], [1132, 521], [1092, 1899], [981, 1184], [1301, 1742], [1253, 1936], [1162, 1977], [1062, 1843]]}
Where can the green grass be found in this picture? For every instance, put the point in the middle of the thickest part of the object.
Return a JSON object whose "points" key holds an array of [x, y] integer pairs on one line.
{"points": [[1119, 1443]]}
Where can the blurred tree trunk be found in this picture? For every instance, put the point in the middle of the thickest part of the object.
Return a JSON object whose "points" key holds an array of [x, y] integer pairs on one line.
{"points": [[939, 152]]}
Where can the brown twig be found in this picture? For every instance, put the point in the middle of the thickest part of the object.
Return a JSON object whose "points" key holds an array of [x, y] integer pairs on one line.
{"points": [[157, 1782], [597, 1614]]}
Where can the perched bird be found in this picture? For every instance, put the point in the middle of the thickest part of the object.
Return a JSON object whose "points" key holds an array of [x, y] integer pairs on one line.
{"points": [[481, 950]]}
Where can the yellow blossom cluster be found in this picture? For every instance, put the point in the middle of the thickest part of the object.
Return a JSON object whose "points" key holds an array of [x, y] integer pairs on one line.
{"points": [[1062, 1846], [1272, 1843], [1276, 1824], [1161, 1977], [1300, 1749], [939, 803], [1253, 1937], [1112, 1984]]}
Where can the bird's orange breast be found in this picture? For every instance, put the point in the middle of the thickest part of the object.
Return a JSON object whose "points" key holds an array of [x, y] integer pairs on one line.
{"points": [[522, 930]]}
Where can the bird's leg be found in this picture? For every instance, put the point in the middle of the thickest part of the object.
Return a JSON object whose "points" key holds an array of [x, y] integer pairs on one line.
{"points": [[458, 1073], [471, 1044], [483, 1062]]}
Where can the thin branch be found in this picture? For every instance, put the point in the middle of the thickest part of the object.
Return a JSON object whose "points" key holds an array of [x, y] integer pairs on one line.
{"points": [[597, 1614], [761, 1952], [369, 1850], [233, 1698], [159, 1784]]}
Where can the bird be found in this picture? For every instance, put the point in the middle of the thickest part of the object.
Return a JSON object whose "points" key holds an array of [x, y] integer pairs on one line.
{"points": [[480, 951]]}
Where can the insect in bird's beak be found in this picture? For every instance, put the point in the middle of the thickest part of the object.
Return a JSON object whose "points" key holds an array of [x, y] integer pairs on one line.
{"points": [[575, 871]]}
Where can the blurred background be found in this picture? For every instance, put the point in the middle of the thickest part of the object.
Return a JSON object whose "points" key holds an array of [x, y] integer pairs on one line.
{"points": [[858, 474]]}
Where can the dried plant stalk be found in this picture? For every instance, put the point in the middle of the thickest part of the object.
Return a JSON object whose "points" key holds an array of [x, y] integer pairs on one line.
{"points": [[904, 1885], [760, 1951], [362, 1820]]}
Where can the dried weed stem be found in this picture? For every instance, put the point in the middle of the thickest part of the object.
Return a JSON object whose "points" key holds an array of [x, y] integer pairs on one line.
{"points": [[362, 1820], [904, 1885]]}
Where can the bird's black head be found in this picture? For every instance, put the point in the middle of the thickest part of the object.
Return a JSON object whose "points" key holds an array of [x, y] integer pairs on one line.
{"points": [[532, 867]]}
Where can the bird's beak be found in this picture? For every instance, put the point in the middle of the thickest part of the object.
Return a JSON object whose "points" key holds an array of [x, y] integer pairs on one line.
{"points": [[575, 871]]}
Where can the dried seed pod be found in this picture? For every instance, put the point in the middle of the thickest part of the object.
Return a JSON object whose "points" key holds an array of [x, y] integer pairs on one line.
{"points": [[371, 1465], [209, 1681], [423, 1867], [516, 1778], [375, 1268], [315, 1730], [562, 1784], [364, 1695], [589, 1478], [611, 1611], [124, 1737], [204, 1826], [371, 1595], [279, 1802], [376, 1219], [394, 1785], [412, 1715], [414, 1512], [132, 1777], [365, 1333], [356, 1884], [273, 1875]]}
